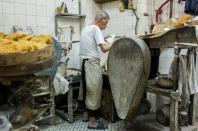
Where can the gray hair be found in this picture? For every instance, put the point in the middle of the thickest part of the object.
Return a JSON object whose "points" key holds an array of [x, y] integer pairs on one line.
{"points": [[102, 14]]}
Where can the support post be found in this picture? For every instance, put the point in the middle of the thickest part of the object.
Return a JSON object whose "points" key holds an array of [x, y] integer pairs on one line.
{"points": [[174, 115]]}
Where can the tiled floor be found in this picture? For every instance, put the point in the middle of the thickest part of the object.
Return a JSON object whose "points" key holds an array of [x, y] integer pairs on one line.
{"points": [[138, 125], [82, 126]]}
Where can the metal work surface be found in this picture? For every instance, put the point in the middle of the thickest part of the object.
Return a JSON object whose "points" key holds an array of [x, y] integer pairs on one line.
{"points": [[167, 39], [128, 71]]}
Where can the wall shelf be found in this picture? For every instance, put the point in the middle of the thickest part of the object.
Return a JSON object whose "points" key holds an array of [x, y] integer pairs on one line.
{"points": [[68, 16], [103, 1]]}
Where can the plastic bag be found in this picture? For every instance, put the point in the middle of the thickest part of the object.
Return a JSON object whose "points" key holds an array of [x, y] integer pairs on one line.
{"points": [[5, 125]]}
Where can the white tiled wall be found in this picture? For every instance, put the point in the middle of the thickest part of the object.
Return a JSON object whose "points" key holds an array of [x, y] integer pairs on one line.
{"points": [[123, 23], [34, 13], [178, 9]]}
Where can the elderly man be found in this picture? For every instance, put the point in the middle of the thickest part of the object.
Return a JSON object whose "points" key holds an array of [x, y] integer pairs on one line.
{"points": [[91, 39]]}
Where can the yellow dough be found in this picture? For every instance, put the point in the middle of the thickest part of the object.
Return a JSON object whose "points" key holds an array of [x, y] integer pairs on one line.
{"points": [[22, 43]]}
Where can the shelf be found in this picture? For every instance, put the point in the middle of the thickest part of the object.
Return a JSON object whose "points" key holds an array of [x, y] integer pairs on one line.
{"points": [[41, 94], [163, 92], [70, 15], [186, 34], [103, 1]]}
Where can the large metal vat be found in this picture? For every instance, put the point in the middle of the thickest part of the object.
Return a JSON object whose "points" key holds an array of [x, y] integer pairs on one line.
{"points": [[128, 70]]}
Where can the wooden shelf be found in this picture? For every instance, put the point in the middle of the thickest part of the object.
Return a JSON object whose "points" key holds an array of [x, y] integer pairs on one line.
{"points": [[170, 93]]}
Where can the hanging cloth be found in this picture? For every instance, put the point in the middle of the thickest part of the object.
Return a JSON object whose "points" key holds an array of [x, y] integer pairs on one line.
{"points": [[191, 7], [191, 72], [182, 83]]}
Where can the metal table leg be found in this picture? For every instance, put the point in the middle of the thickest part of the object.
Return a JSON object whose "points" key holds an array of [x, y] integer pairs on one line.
{"points": [[70, 105], [52, 108]]}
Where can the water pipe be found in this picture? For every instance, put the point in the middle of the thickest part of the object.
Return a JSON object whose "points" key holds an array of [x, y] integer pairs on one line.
{"points": [[159, 10]]}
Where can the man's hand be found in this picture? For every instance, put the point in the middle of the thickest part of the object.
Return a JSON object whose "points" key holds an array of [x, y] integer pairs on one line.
{"points": [[110, 39]]}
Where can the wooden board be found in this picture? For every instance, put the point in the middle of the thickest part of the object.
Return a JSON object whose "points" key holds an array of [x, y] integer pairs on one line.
{"points": [[24, 58], [128, 70], [25, 69]]}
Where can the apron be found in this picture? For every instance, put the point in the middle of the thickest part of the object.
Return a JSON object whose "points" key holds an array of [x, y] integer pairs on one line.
{"points": [[93, 74]]}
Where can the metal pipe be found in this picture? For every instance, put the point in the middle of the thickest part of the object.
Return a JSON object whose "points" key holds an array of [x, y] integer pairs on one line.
{"points": [[171, 9], [137, 20], [79, 7], [159, 10], [153, 12]]}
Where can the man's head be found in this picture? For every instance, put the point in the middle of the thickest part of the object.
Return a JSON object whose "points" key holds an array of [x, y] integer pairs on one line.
{"points": [[102, 19]]}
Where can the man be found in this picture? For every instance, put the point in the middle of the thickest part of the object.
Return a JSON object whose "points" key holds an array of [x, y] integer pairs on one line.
{"points": [[91, 39]]}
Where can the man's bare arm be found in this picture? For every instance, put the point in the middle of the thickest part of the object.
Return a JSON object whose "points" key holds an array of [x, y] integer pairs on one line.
{"points": [[105, 47]]}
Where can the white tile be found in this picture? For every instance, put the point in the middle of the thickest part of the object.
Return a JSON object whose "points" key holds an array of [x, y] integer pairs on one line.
{"points": [[41, 2], [42, 30], [8, 20], [31, 2], [7, 29], [21, 1], [75, 7], [11, 1], [129, 31], [50, 20], [42, 21], [164, 70], [20, 9], [168, 52], [50, 11], [31, 9], [50, 30], [142, 8], [41, 11], [1, 20], [165, 62], [31, 21], [8, 8], [20, 20], [1, 6], [1, 28], [50, 3]]}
